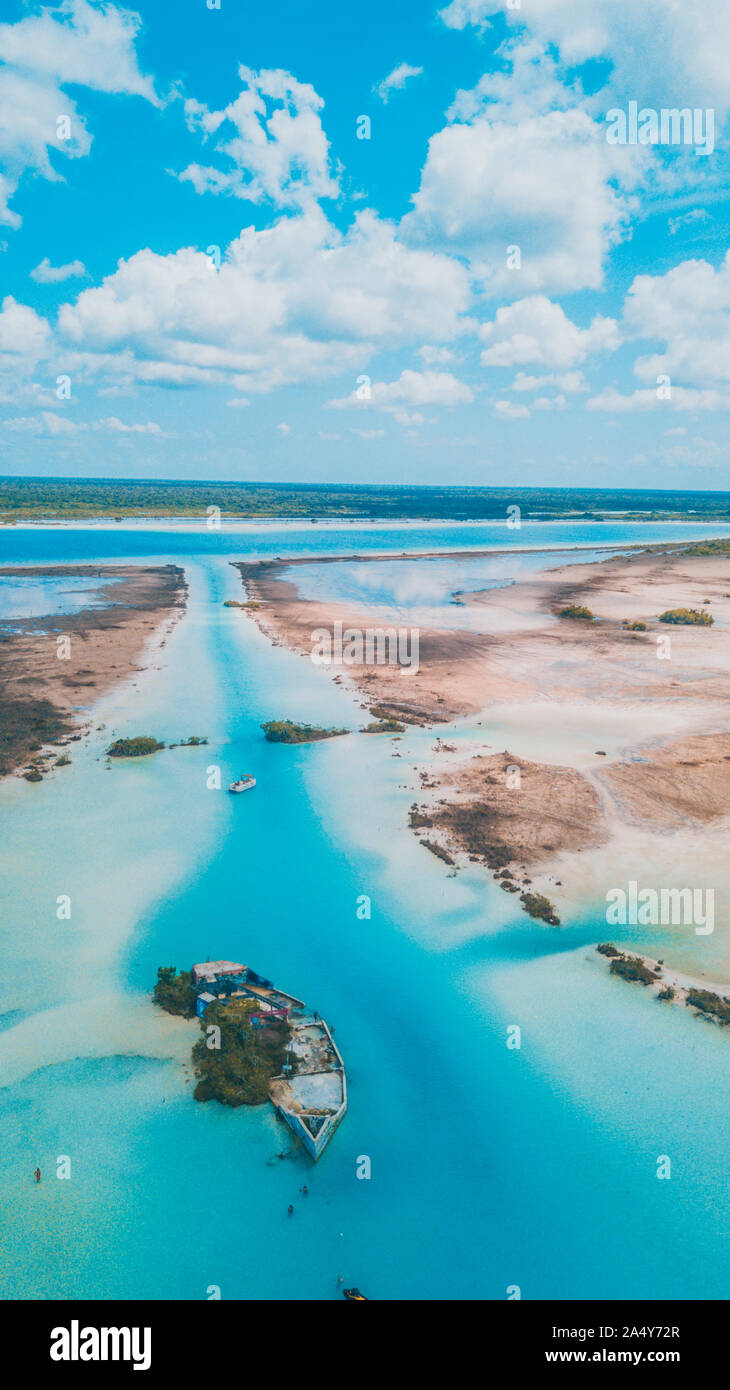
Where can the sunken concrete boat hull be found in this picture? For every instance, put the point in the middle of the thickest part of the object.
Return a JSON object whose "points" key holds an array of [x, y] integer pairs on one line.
{"points": [[312, 1099]]}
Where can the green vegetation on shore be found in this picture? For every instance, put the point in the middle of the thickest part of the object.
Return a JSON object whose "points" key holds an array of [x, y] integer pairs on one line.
{"points": [[687, 617], [285, 731], [400, 713], [385, 726], [25, 725], [709, 1003], [117, 499], [239, 1071], [134, 747], [720, 546], [633, 968], [643, 972]]}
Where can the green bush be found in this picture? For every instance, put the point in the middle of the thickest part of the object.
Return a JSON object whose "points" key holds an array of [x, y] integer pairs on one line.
{"points": [[540, 907], [633, 968], [284, 731], [709, 1003], [577, 610], [134, 747], [687, 617], [174, 993]]}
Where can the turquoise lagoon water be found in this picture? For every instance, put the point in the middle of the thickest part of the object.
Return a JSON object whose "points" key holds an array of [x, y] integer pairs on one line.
{"points": [[490, 1167]]}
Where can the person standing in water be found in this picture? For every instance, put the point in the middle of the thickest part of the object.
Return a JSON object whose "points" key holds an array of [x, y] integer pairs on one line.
{"points": [[37, 1175]]}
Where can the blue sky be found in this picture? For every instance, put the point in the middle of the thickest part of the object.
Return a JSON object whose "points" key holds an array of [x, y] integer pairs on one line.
{"points": [[367, 317]]}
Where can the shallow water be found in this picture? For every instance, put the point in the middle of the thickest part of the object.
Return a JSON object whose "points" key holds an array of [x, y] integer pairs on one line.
{"points": [[34, 598], [490, 1166], [425, 593]]}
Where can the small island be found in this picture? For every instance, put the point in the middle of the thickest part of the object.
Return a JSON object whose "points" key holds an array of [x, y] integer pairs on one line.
{"points": [[138, 747], [385, 726], [538, 906], [257, 1044], [144, 744], [285, 731]]}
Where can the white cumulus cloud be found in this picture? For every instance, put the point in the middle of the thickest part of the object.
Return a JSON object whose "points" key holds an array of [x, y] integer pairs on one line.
{"points": [[536, 330], [411, 389], [658, 49], [545, 182], [47, 274], [295, 302], [688, 309], [396, 80], [74, 43], [80, 43], [271, 140], [23, 333]]}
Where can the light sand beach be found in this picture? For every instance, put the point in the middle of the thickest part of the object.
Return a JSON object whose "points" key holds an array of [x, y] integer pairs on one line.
{"points": [[614, 744]]}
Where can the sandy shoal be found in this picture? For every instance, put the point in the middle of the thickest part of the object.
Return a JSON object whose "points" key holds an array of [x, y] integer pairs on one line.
{"points": [[54, 667]]}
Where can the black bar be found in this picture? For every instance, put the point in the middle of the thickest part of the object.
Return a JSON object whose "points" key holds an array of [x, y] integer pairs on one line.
{"points": [[209, 1338]]}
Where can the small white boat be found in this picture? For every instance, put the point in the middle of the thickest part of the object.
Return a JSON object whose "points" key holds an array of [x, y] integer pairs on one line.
{"points": [[243, 784]]}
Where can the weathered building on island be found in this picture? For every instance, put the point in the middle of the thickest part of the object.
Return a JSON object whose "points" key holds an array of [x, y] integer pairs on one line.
{"points": [[218, 981]]}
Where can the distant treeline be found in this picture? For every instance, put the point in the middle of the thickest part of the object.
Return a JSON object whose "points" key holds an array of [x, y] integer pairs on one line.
{"points": [[68, 498]]}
